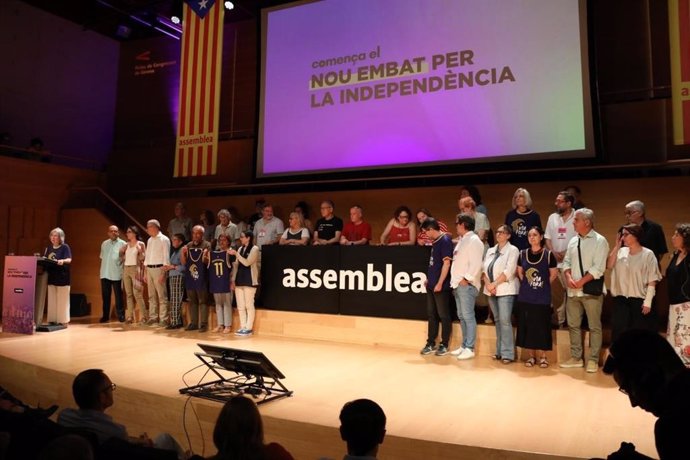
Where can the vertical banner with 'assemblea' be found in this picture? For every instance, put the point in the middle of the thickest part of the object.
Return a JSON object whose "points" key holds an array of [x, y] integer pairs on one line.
{"points": [[196, 151], [679, 28]]}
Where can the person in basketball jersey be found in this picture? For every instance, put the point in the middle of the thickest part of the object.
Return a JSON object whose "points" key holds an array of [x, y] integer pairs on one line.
{"points": [[219, 271], [195, 258]]}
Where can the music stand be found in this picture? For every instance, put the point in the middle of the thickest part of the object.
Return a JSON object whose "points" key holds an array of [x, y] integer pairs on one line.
{"points": [[254, 374]]}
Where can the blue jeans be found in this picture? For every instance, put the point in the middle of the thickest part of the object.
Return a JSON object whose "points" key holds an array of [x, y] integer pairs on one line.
{"points": [[502, 308], [464, 301]]}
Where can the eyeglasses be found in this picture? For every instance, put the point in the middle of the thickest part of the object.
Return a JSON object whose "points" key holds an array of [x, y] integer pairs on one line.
{"points": [[629, 212], [403, 216], [111, 387]]}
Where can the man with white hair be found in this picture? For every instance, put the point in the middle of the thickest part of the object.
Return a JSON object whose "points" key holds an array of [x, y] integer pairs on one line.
{"points": [[157, 255], [583, 268], [225, 227], [653, 234]]}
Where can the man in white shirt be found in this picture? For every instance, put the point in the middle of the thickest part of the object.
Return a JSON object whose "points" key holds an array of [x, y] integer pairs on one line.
{"points": [[559, 231], [465, 280], [584, 261], [111, 274], [268, 229], [157, 255]]}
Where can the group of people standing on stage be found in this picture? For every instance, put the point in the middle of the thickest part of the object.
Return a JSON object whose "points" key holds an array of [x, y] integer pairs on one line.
{"points": [[188, 262], [516, 274]]}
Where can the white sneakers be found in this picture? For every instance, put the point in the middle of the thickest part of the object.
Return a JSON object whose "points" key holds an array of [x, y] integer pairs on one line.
{"points": [[466, 353], [457, 351]]}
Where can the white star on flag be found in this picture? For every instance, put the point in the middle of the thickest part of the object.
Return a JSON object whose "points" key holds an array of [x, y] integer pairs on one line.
{"points": [[202, 4]]}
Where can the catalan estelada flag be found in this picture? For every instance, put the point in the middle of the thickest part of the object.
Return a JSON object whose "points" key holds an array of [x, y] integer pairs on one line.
{"points": [[200, 64], [679, 29]]}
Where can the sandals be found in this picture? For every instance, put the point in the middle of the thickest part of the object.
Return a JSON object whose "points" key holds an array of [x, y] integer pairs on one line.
{"points": [[530, 362], [543, 363]]}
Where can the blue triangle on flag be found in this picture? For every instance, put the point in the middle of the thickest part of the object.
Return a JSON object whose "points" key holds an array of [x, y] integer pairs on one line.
{"points": [[200, 7]]}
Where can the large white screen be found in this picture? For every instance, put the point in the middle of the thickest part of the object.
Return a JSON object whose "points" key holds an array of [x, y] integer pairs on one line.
{"points": [[352, 84]]}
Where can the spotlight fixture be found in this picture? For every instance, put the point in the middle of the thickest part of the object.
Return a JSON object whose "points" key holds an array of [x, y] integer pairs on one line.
{"points": [[175, 19], [229, 5]]}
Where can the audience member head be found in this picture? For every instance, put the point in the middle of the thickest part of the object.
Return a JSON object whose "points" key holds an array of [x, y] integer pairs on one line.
{"points": [[247, 238], [113, 232], [207, 217], [177, 241], [402, 215], [564, 202], [224, 217], [467, 205], [430, 224], [634, 212], [362, 427], [583, 221], [536, 233], [522, 199], [356, 214], [180, 210], [153, 227], [465, 223], [57, 236], [267, 211], [296, 221], [327, 208], [303, 208], [223, 241], [472, 192], [93, 390], [632, 234], [681, 237], [198, 233], [422, 214], [239, 431], [133, 233], [642, 363], [503, 234]]}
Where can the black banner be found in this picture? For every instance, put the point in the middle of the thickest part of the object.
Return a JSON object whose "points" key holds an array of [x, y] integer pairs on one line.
{"points": [[351, 280]]}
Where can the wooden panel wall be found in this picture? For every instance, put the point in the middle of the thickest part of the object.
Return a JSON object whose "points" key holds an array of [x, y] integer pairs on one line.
{"points": [[31, 196]]}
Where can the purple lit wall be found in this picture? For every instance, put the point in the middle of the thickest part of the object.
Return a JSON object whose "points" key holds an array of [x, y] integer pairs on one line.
{"points": [[58, 82]]}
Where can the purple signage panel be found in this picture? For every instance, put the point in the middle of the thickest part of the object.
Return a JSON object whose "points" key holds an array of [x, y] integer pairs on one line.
{"points": [[18, 294]]}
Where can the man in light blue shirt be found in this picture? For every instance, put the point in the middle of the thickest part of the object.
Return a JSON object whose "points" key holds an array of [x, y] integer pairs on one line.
{"points": [[111, 274]]}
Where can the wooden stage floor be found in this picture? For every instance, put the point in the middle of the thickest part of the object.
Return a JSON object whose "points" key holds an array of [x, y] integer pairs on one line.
{"points": [[437, 407]]}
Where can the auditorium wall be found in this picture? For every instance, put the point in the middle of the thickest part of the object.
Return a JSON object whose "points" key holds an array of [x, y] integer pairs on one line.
{"points": [[58, 82]]}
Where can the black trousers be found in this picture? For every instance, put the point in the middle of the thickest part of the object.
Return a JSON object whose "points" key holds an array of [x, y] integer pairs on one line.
{"points": [[627, 314], [437, 311], [114, 287]]}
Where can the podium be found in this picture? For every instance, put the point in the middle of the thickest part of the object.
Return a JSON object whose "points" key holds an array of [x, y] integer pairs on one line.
{"points": [[18, 294]]}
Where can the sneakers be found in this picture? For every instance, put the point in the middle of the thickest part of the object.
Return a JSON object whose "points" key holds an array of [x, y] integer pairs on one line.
{"points": [[442, 350], [572, 362], [457, 351], [203, 327], [427, 350], [244, 332], [466, 354], [592, 366]]}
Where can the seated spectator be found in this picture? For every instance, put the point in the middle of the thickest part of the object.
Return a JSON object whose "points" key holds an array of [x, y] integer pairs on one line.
{"points": [[67, 447], [239, 433], [93, 393], [650, 373], [296, 234], [12, 404], [423, 239], [209, 223], [473, 192], [362, 427], [303, 208], [356, 232], [401, 230], [329, 228]]}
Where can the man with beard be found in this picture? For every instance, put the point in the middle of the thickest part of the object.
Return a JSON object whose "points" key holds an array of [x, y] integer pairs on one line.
{"points": [[559, 231]]}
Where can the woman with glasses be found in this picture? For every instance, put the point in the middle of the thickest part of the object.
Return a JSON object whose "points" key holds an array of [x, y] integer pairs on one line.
{"points": [[633, 282], [134, 277], [401, 230], [678, 276], [296, 234], [501, 286]]}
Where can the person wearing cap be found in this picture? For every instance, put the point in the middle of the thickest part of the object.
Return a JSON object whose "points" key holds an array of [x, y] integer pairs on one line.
{"points": [[157, 256], [648, 370]]}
